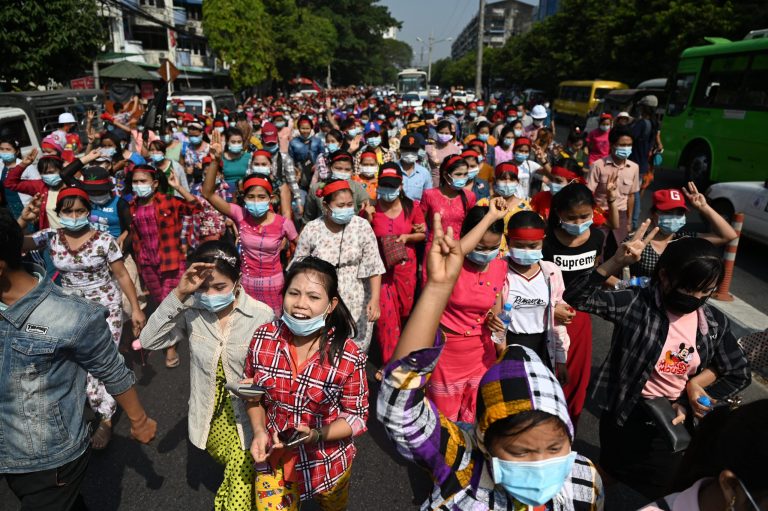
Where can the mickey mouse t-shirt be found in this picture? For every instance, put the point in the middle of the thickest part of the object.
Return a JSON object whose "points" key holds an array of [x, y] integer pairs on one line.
{"points": [[679, 359]]}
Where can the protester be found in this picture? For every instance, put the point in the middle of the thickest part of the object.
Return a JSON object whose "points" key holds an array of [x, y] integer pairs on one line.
{"points": [[442, 147], [416, 178], [506, 186], [315, 375], [235, 159], [210, 309], [597, 140], [341, 163]]}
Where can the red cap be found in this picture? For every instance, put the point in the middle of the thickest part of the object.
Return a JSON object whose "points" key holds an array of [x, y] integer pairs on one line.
{"points": [[505, 167], [72, 192], [522, 141], [269, 133], [664, 200]]}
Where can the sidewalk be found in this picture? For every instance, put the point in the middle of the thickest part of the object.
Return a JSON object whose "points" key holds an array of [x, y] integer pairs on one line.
{"points": [[745, 319]]}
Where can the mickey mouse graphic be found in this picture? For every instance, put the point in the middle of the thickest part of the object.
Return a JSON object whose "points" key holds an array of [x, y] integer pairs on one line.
{"points": [[685, 353]]}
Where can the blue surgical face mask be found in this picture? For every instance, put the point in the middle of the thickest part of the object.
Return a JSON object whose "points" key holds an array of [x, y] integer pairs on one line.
{"points": [[272, 148], [505, 188], [518, 133], [235, 148], [261, 170], [195, 139], [340, 175], [388, 194], [457, 183], [409, 157], [215, 303], [473, 172], [74, 224], [8, 157], [605, 127], [576, 229], [220, 129], [374, 141], [51, 179], [483, 257], [507, 142], [280, 124], [622, 153], [167, 138], [524, 256], [143, 190], [332, 147], [521, 157], [483, 137], [353, 132], [480, 109], [303, 327], [257, 209], [459, 113], [342, 216], [510, 120], [670, 224], [108, 152], [533, 483], [157, 157], [555, 187]]}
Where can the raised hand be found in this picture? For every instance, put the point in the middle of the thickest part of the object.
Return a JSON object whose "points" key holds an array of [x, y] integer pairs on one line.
{"points": [[612, 188], [498, 207], [29, 159], [697, 199], [631, 251], [31, 211], [445, 258], [173, 181], [193, 278]]}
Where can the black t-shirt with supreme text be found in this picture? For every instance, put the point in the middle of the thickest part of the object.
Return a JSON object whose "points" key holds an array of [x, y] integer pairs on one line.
{"points": [[573, 261]]}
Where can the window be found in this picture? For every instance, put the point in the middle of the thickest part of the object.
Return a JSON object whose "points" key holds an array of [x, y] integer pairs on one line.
{"points": [[755, 92], [678, 100], [600, 93], [160, 4], [152, 38], [16, 129], [720, 83]]}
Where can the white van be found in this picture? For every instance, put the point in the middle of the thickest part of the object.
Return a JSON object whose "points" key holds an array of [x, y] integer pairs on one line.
{"points": [[198, 101], [15, 123]]}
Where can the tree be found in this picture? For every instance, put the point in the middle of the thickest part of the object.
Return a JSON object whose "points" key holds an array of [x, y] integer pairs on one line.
{"points": [[239, 32], [393, 57], [55, 39]]}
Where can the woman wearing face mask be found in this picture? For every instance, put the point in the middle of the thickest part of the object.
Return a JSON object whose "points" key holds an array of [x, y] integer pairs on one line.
{"points": [[475, 183], [469, 350], [157, 158], [53, 177], [156, 233], [598, 145], [263, 235], [443, 147], [504, 150], [724, 467], [575, 246], [373, 145], [450, 199], [334, 141], [668, 346], [235, 159], [347, 241], [395, 219], [367, 173], [668, 214], [517, 451], [173, 144], [109, 212], [91, 266], [10, 156], [341, 168], [317, 387], [209, 308], [528, 169], [505, 186]]}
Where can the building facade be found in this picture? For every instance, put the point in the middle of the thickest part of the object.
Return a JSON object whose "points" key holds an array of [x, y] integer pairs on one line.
{"points": [[547, 8], [503, 20]]}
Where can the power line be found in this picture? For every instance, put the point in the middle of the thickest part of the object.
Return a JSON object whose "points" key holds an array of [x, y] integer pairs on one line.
{"points": [[142, 14]]}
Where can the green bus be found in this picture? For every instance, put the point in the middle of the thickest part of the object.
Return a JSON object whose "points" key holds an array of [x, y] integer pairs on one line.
{"points": [[716, 121]]}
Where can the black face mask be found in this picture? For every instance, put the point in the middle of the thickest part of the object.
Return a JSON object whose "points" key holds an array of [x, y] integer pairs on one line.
{"points": [[681, 303]]}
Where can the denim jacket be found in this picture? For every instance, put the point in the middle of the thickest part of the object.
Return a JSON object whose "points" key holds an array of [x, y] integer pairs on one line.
{"points": [[49, 340]]}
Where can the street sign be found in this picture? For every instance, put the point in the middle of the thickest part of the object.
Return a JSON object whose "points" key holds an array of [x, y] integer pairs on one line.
{"points": [[168, 71], [86, 82]]}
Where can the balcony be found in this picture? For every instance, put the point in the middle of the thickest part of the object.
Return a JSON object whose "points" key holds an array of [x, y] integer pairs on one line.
{"points": [[179, 16], [183, 58]]}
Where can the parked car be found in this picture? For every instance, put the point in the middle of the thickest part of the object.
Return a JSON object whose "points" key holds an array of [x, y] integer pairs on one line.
{"points": [[16, 124], [748, 197], [434, 91], [198, 101], [412, 100]]}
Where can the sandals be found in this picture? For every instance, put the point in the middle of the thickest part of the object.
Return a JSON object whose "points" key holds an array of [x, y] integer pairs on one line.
{"points": [[101, 437]]}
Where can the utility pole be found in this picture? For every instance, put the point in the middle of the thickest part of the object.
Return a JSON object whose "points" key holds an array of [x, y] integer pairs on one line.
{"points": [[429, 57], [480, 34]]}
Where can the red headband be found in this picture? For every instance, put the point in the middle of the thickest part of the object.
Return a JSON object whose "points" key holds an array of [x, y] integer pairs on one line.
{"points": [[526, 233], [257, 181], [368, 154], [341, 157], [563, 172], [262, 152], [469, 153], [52, 156], [333, 187], [505, 167], [522, 141], [72, 192], [98, 182], [453, 160]]}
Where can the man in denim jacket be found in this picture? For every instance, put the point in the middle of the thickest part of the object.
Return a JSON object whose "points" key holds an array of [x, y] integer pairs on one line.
{"points": [[48, 341]]}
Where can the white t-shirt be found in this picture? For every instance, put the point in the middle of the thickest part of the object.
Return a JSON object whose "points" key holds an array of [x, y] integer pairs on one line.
{"points": [[526, 172], [529, 299]]}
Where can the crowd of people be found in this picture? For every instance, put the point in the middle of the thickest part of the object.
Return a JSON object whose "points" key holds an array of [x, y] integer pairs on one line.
{"points": [[458, 246]]}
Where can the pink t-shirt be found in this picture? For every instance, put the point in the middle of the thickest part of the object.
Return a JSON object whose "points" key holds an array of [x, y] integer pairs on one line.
{"points": [[452, 211], [502, 155], [679, 359], [598, 145], [474, 294], [261, 243]]}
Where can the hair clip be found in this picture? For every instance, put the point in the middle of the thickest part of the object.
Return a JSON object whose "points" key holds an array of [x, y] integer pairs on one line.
{"points": [[224, 257]]}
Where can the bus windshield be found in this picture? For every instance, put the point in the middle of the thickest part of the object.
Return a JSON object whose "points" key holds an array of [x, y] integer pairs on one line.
{"points": [[412, 82]]}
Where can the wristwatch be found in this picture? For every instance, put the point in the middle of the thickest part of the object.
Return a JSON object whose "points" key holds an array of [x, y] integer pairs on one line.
{"points": [[319, 434]]}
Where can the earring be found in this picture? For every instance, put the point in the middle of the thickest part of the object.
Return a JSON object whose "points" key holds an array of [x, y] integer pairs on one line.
{"points": [[732, 507]]}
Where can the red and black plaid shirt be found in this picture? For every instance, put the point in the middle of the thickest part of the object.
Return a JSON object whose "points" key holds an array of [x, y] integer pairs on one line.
{"points": [[320, 394], [169, 212]]}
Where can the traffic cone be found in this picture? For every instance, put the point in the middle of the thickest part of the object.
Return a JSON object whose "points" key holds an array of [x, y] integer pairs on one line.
{"points": [[729, 258]]}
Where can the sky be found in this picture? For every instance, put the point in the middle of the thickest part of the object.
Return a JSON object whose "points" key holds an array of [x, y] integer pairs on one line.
{"points": [[444, 18]]}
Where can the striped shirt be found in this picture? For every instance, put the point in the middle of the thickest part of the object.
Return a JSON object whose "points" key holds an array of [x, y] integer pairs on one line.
{"points": [[450, 452], [640, 329]]}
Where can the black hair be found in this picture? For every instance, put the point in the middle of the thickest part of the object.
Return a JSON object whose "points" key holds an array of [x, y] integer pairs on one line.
{"points": [[519, 423], [45, 163], [571, 164], [6, 139], [572, 195], [210, 252], [475, 215], [230, 132], [735, 440], [69, 202], [158, 144], [112, 137], [524, 219], [348, 123], [693, 264], [339, 320], [574, 136], [481, 125], [329, 198], [616, 133], [445, 123], [11, 240], [506, 130], [159, 175]]}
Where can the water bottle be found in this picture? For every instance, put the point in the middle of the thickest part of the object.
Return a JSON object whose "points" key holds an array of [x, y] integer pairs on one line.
{"points": [[506, 319]]}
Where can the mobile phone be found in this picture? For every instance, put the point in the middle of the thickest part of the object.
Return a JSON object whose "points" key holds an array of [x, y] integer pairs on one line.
{"points": [[291, 437], [245, 390]]}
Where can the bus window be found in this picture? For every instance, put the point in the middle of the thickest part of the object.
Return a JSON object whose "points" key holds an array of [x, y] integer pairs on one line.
{"points": [[678, 100], [600, 93], [15, 128], [720, 84], [755, 92]]}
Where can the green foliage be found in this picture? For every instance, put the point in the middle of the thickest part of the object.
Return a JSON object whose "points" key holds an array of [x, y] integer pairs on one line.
{"points": [[53, 39], [238, 31]]}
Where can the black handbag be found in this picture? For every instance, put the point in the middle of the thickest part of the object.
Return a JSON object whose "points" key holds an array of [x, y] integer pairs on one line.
{"points": [[660, 410]]}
